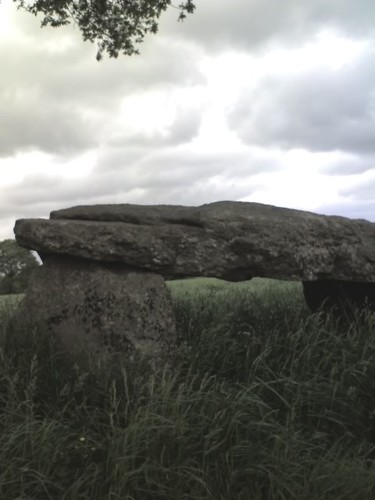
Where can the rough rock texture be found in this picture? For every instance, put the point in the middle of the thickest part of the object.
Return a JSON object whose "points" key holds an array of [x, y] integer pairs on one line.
{"points": [[102, 309], [101, 288], [230, 240]]}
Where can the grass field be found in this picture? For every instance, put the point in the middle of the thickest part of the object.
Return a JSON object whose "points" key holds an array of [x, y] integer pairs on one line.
{"points": [[268, 402]]}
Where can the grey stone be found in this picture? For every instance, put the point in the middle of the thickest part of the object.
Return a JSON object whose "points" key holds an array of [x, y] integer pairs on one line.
{"points": [[102, 310], [230, 240], [339, 296], [101, 286]]}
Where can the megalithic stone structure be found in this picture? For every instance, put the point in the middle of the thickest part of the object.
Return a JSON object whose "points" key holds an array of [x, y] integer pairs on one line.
{"points": [[102, 279]]}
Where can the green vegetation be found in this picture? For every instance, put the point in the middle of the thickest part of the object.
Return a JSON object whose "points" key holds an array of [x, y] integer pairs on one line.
{"points": [[16, 265], [268, 402], [117, 26]]}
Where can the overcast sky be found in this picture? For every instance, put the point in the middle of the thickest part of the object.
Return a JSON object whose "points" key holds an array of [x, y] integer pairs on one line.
{"points": [[253, 100]]}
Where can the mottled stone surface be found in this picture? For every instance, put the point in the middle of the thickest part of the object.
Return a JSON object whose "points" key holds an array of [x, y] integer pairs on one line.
{"points": [[101, 287], [229, 240], [105, 310]]}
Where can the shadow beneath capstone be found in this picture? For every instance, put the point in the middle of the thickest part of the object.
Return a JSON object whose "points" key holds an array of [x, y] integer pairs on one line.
{"points": [[340, 298]]}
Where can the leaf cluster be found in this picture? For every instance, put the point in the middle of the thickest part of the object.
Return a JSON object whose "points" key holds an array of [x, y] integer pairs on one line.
{"points": [[117, 26]]}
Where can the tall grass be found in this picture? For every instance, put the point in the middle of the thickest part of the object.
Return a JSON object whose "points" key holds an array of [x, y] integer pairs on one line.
{"points": [[267, 402]]}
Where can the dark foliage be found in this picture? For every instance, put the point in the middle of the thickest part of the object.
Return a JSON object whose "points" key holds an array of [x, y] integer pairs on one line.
{"points": [[16, 264], [268, 402], [117, 26]]}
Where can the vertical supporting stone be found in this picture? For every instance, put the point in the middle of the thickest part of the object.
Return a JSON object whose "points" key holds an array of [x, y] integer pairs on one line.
{"points": [[102, 310], [339, 295]]}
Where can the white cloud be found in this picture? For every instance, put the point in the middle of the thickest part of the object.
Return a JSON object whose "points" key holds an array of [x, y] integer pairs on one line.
{"points": [[252, 100]]}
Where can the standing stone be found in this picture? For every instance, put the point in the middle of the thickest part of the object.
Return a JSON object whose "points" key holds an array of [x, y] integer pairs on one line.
{"points": [[102, 310], [339, 296]]}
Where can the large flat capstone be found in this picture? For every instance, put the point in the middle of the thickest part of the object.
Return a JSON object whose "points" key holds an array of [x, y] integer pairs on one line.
{"points": [[229, 240], [102, 288]]}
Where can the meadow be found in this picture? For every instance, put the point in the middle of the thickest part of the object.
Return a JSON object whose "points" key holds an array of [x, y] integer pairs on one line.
{"points": [[266, 402]]}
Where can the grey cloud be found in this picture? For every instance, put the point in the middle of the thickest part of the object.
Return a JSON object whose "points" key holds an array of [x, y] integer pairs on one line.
{"points": [[6, 228], [363, 189], [196, 193], [183, 165], [28, 124], [353, 209], [182, 130], [319, 110], [354, 18], [358, 201], [83, 80], [66, 102], [185, 127], [54, 189], [168, 176], [75, 71], [251, 25], [350, 165], [119, 155]]}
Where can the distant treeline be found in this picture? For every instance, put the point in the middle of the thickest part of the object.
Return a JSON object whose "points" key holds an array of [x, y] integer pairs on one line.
{"points": [[16, 265]]}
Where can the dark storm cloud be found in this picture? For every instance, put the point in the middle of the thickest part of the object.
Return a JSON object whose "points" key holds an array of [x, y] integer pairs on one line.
{"points": [[318, 110]]}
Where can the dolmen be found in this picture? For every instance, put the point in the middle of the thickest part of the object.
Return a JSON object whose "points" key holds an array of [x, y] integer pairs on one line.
{"points": [[101, 287]]}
